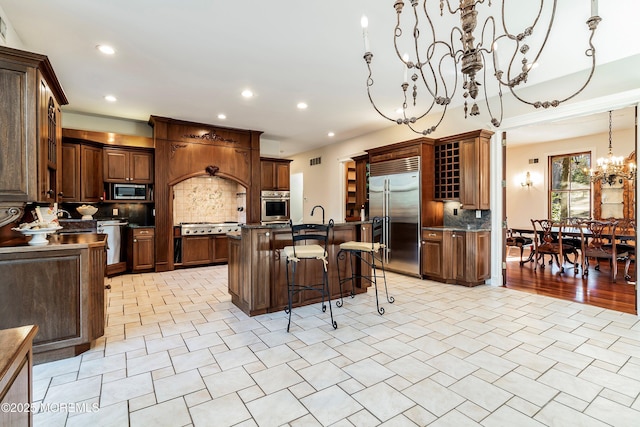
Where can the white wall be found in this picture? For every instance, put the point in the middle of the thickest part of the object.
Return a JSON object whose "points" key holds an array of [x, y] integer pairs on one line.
{"points": [[524, 203]]}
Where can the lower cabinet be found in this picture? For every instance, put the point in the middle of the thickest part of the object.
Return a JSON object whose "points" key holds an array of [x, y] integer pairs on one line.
{"points": [[16, 375], [141, 249], [202, 250], [59, 288], [456, 256]]}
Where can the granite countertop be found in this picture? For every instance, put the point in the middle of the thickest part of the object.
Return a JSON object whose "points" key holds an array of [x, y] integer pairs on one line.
{"points": [[141, 226], [451, 228], [56, 242], [286, 225]]}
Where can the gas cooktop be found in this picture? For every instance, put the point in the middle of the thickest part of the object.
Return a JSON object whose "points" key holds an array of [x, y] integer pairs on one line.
{"points": [[200, 228]]}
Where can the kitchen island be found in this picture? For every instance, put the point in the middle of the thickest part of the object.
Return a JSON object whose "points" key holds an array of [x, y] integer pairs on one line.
{"points": [[257, 266], [59, 287]]}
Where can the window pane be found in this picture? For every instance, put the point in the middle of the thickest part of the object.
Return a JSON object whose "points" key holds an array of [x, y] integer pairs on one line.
{"points": [[560, 170], [570, 187], [579, 204], [559, 205]]}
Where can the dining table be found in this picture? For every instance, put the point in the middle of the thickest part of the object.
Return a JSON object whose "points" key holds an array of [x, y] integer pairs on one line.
{"points": [[566, 231]]}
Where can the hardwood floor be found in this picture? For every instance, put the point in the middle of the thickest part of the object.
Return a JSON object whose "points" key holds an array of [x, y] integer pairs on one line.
{"points": [[596, 289]]}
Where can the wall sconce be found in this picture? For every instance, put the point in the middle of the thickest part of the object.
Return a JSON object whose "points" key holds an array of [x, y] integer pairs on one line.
{"points": [[527, 182]]}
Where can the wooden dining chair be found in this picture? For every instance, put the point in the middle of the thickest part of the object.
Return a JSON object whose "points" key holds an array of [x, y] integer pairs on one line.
{"points": [[599, 242], [548, 241], [625, 242]]}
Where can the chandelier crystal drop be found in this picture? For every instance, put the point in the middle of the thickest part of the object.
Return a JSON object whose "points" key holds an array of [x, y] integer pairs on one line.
{"points": [[611, 168], [440, 64]]}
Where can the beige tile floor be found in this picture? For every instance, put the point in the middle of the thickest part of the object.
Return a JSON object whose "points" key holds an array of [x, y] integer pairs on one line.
{"points": [[177, 352]]}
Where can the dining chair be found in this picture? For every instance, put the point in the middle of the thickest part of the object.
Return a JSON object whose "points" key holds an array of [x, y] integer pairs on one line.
{"points": [[625, 242], [309, 243], [369, 254], [599, 242], [521, 242], [548, 241]]}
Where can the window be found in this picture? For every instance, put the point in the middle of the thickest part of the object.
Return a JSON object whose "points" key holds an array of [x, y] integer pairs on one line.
{"points": [[570, 188]]}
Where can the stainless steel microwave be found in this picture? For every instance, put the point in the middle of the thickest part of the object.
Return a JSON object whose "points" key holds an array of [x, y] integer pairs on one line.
{"points": [[129, 192]]}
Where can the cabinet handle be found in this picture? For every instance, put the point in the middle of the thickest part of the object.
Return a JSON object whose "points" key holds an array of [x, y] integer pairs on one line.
{"points": [[61, 194], [266, 234], [135, 240], [453, 235], [432, 234]]}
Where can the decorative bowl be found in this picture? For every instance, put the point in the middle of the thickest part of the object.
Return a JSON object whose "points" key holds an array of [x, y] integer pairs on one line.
{"points": [[87, 211], [39, 235]]}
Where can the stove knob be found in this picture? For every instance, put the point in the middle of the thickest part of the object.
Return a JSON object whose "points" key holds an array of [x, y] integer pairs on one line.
{"points": [[209, 231], [219, 230], [187, 232]]}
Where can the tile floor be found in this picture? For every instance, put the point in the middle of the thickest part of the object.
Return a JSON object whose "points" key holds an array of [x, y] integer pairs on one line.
{"points": [[177, 353]]}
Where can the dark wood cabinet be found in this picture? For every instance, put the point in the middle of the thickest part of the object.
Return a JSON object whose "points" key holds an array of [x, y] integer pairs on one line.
{"points": [[196, 250], [141, 249], [275, 174], [16, 375], [81, 173], [462, 169], [30, 140], [60, 288], [220, 249], [456, 256], [432, 254], [128, 165], [202, 250]]}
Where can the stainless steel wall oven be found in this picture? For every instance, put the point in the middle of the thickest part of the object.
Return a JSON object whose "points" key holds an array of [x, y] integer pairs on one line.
{"points": [[275, 206]]}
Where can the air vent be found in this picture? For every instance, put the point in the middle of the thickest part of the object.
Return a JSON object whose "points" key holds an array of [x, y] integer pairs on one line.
{"points": [[532, 161], [315, 161]]}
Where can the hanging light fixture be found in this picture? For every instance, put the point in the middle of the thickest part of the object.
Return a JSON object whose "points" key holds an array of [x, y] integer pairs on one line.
{"points": [[438, 62], [611, 168]]}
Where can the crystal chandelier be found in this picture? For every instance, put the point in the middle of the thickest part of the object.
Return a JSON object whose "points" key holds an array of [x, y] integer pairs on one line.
{"points": [[438, 62], [611, 168]]}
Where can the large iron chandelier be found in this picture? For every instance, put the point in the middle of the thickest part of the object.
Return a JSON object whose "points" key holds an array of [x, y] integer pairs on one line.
{"points": [[437, 63], [611, 168]]}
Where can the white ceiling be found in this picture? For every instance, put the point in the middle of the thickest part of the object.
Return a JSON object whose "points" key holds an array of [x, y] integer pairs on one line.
{"points": [[191, 59]]}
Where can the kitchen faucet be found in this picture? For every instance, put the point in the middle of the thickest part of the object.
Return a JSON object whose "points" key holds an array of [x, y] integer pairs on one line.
{"points": [[61, 211], [314, 208]]}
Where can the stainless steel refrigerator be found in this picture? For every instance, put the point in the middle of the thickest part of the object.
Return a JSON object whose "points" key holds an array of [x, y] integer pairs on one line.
{"points": [[394, 192]]}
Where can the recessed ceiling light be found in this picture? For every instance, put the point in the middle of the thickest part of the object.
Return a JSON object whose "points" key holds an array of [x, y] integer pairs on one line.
{"points": [[110, 98], [222, 116], [247, 93], [302, 105], [331, 134], [106, 49]]}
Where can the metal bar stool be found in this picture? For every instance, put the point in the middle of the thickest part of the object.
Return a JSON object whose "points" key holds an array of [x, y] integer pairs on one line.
{"points": [[369, 254], [301, 249]]}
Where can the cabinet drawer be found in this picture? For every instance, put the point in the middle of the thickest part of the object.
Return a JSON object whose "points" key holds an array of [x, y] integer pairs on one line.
{"points": [[432, 235], [141, 232]]}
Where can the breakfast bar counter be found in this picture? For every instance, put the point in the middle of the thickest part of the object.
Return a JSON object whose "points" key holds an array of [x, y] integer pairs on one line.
{"points": [[257, 266]]}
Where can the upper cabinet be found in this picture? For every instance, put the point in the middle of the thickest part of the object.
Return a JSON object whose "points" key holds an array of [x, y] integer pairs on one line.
{"points": [[30, 141], [274, 174], [81, 173], [462, 169], [127, 165]]}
